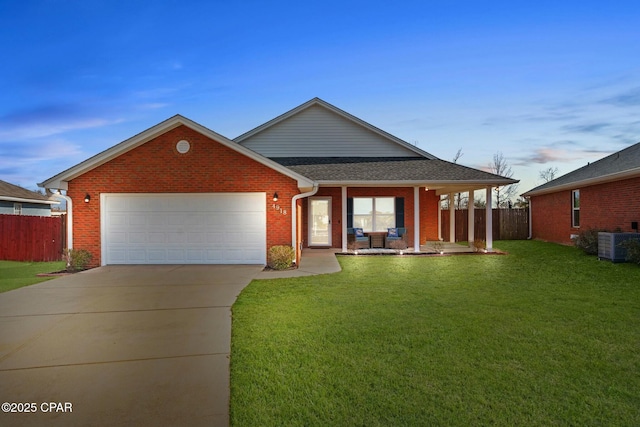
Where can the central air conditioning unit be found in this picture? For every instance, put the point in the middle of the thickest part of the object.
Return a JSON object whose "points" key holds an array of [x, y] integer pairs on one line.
{"points": [[609, 245]]}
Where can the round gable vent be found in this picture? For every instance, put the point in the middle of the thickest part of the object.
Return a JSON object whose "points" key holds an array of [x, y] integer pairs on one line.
{"points": [[183, 146]]}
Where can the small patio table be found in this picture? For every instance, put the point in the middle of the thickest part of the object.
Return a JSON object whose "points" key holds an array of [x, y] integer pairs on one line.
{"points": [[377, 240]]}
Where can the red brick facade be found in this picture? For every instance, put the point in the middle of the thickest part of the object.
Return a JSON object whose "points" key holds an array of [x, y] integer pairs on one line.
{"points": [[610, 206], [428, 211], [157, 167], [212, 167]]}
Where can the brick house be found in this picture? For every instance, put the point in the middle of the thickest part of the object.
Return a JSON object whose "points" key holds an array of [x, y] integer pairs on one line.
{"points": [[180, 193], [601, 195]]}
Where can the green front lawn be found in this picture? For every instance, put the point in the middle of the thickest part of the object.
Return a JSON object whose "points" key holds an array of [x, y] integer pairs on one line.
{"points": [[543, 336], [14, 274]]}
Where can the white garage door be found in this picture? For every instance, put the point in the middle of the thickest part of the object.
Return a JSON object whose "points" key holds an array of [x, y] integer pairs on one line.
{"points": [[215, 228]]}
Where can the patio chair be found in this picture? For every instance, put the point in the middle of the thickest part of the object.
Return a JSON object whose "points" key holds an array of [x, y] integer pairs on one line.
{"points": [[359, 238], [396, 235]]}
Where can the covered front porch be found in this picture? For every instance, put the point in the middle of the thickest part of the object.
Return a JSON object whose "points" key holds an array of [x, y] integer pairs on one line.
{"points": [[333, 213]]}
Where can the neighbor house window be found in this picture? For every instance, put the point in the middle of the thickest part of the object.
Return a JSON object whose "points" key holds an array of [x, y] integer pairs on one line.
{"points": [[17, 208], [374, 213], [575, 208]]}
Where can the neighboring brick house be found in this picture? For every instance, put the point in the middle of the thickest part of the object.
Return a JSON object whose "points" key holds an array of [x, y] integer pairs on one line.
{"points": [[180, 193], [15, 200], [601, 195]]}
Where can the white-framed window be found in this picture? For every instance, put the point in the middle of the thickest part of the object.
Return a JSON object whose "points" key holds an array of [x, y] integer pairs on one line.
{"points": [[17, 208], [575, 208], [374, 213]]}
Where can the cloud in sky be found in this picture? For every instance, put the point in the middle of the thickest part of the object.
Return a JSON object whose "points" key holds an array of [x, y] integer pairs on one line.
{"points": [[557, 153], [32, 161], [587, 128], [630, 98], [44, 121]]}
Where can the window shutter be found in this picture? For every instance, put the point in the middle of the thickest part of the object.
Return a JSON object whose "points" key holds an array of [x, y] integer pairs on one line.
{"points": [[400, 212], [349, 212]]}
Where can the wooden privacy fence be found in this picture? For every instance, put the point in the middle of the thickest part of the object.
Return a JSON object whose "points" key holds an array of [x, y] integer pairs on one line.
{"points": [[507, 224], [32, 238]]}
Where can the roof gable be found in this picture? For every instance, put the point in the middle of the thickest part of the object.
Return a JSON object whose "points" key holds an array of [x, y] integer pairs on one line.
{"points": [[318, 129], [60, 181], [622, 164]]}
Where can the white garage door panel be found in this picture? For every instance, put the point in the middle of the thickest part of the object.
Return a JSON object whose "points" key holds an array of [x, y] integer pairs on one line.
{"points": [[216, 228]]}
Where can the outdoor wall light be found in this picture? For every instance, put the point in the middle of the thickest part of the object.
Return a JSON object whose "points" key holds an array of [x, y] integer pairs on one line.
{"points": [[87, 198], [275, 196]]}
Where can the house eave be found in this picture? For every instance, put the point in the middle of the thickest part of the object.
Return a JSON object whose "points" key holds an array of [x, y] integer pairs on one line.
{"points": [[441, 187], [630, 173], [23, 200]]}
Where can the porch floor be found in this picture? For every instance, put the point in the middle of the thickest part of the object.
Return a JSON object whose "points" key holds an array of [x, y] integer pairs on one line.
{"points": [[427, 248]]}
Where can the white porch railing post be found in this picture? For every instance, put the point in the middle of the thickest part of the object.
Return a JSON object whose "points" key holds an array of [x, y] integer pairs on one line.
{"points": [[439, 219], [471, 219], [344, 219], [452, 219], [416, 219], [489, 222]]}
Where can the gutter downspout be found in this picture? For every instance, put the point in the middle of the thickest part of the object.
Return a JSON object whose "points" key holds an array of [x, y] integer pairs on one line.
{"points": [[59, 195], [294, 219]]}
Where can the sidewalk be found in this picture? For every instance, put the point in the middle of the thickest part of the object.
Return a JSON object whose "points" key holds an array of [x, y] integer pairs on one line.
{"points": [[312, 262]]}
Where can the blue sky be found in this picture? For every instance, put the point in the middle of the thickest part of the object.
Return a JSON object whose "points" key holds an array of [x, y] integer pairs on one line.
{"points": [[547, 83]]}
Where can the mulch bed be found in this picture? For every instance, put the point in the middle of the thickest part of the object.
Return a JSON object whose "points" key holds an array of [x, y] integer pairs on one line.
{"points": [[60, 273], [55, 273], [267, 268]]}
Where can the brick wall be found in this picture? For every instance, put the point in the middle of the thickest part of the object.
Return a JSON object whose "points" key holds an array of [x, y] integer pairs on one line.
{"points": [[428, 216], [607, 206], [611, 205], [157, 167], [551, 217]]}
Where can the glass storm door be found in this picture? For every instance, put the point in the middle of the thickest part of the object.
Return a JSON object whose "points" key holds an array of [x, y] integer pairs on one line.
{"points": [[319, 221]]}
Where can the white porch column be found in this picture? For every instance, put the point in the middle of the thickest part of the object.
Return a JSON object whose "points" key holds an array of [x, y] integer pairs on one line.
{"points": [[344, 219], [452, 219], [489, 222], [530, 222], [439, 219], [416, 219], [471, 219]]}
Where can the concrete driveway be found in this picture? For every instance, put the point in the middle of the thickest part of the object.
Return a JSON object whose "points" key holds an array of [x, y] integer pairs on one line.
{"points": [[120, 345]]}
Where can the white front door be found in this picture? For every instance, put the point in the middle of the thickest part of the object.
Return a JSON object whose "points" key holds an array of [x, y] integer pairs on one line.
{"points": [[320, 221]]}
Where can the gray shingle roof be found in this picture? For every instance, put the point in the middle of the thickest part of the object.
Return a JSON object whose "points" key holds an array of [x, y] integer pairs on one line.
{"points": [[10, 190], [619, 162], [385, 169]]}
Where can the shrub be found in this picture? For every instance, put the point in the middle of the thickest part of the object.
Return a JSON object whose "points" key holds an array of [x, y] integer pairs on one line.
{"points": [[281, 257], [479, 245], [587, 240], [77, 259], [398, 244], [633, 250]]}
